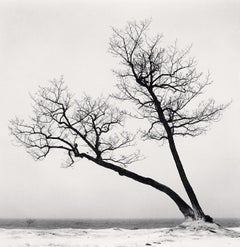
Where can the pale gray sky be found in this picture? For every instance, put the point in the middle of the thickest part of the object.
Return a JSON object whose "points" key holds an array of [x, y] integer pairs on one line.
{"points": [[40, 40]]}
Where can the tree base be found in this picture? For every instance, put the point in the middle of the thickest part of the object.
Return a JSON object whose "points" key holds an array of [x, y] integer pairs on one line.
{"points": [[208, 219], [202, 228]]}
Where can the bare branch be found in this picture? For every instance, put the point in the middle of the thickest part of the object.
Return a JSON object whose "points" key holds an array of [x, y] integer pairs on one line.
{"points": [[59, 122], [161, 82]]}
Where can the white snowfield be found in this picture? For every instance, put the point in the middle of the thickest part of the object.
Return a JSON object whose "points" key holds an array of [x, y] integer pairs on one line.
{"points": [[182, 236]]}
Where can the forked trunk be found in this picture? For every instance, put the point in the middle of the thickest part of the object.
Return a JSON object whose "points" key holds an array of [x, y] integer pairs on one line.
{"points": [[198, 212]]}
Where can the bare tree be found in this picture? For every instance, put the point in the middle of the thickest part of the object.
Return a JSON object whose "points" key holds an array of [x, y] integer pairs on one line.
{"points": [[29, 222], [83, 129], [163, 83]]}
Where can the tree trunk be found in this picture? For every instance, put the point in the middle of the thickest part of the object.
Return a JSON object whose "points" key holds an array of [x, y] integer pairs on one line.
{"points": [[182, 205], [198, 212]]}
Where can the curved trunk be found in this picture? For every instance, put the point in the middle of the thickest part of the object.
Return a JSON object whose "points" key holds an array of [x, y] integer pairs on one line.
{"points": [[182, 205]]}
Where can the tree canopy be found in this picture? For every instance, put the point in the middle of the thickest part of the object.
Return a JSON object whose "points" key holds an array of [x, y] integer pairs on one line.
{"points": [[87, 125], [166, 77], [162, 82]]}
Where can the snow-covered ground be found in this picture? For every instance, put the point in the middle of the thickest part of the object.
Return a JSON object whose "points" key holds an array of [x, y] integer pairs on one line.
{"points": [[176, 237]]}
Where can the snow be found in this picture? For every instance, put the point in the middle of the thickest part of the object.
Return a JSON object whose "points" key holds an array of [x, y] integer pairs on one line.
{"points": [[187, 234]]}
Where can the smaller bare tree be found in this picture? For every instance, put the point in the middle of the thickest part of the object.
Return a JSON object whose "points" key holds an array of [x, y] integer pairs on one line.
{"points": [[29, 222], [83, 129]]}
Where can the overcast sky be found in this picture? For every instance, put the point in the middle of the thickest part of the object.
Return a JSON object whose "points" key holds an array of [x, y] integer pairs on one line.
{"points": [[42, 40]]}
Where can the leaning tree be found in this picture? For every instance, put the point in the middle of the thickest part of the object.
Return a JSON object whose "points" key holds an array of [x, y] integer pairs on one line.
{"points": [[164, 83], [83, 129]]}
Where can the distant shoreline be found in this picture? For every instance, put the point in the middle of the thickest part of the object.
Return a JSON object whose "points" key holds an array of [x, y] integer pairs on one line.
{"points": [[131, 224]]}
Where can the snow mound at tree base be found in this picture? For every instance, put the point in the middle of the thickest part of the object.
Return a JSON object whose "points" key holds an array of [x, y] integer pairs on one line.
{"points": [[201, 227]]}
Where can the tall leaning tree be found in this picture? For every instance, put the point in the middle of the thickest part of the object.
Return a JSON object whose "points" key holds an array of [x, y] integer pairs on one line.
{"points": [[164, 84], [84, 128]]}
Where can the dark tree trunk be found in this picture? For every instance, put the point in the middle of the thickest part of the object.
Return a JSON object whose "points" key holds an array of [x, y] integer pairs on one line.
{"points": [[198, 212], [182, 205]]}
